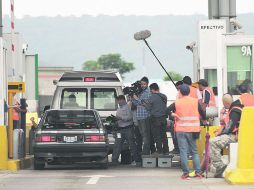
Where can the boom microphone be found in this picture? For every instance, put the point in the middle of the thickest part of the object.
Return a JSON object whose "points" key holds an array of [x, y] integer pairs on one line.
{"points": [[142, 35]]}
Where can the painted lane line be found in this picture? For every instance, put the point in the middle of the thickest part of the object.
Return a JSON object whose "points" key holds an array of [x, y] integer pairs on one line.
{"points": [[94, 179]]}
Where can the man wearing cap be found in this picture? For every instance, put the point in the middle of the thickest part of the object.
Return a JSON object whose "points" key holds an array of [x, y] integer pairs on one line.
{"points": [[194, 92], [143, 116], [187, 111], [208, 98]]}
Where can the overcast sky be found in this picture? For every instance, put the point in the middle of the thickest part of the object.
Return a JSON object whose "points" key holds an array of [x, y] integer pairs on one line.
{"points": [[115, 7]]}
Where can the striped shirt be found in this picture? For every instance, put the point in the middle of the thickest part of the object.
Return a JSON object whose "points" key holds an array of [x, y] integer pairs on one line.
{"points": [[142, 113]]}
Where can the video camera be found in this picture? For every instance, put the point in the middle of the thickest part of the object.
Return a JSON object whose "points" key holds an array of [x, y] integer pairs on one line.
{"points": [[135, 88], [111, 123]]}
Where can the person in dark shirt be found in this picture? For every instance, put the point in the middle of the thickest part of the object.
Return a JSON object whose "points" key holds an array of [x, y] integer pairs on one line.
{"points": [[156, 105]]}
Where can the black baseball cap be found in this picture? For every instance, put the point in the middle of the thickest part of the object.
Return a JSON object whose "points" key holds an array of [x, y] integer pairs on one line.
{"points": [[187, 80], [203, 82]]}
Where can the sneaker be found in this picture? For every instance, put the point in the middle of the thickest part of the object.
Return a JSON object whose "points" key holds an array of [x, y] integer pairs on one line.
{"points": [[192, 174], [174, 151], [199, 175], [220, 171], [185, 176]]}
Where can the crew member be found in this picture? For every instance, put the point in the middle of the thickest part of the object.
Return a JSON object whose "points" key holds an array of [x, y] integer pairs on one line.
{"points": [[143, 116], [208, 98], [137, 135], [227, 100], [246, 98], [125, 125], [227, 135], [194, 92], [178, 84], [16, 110], [187, 111], [156, 105]]}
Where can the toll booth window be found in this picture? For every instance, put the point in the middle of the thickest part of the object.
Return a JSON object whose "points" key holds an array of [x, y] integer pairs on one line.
{"points": [[239, 67], [103, 99], [211, 77], [74, 98]]}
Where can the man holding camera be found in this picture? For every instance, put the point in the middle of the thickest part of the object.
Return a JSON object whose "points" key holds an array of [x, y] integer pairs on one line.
{"points": [[143, 116], [125, 126], [156, 104]]}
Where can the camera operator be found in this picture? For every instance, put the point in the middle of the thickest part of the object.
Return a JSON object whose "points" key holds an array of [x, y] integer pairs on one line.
{"points": [[125, 126], [156, 104], [137, 135], [143, 116]]}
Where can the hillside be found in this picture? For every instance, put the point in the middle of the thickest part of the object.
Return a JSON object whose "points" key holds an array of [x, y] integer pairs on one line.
{"points": [[69, 41]]}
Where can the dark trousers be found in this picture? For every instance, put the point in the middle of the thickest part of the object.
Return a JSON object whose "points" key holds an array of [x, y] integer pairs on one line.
{"points": [[138, 140], [128, 135], [158, 126], [144, 129], [16, 124], [173, 135]]}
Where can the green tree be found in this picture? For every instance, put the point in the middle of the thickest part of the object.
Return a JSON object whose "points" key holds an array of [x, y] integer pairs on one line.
{"points": [[109, 61], [174, 75], [91, 65]]}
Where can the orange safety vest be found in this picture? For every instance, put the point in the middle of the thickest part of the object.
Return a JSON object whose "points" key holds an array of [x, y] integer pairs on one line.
{"points": [[225, 116], [15, 115], [212, 102], [187, 110], [247, 99], [193, 93], [227, 119]]}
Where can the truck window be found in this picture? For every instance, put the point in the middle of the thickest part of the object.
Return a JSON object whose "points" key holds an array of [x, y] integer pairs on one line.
{"points": [[103, 99], [74, 98]]}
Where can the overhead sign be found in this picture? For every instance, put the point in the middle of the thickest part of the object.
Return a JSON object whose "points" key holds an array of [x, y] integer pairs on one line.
{"points": [[16, 87], [209, 33]]}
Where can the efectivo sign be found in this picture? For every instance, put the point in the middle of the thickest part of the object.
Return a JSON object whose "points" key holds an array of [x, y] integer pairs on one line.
{"points": [[212, 27]]}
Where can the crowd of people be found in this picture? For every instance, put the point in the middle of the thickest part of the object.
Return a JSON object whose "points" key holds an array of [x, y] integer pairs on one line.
{"points": [[142, 122]]}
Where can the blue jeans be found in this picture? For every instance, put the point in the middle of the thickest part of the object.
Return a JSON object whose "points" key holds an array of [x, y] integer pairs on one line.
{"points": [[187, 144], [144, 128]]}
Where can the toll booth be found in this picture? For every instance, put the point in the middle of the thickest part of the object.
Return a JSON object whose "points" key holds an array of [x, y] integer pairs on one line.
{"points": [[225, 59]]}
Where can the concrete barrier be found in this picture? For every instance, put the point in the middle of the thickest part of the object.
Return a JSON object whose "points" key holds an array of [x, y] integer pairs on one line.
{"points": [[3, 148], [244, 172]]}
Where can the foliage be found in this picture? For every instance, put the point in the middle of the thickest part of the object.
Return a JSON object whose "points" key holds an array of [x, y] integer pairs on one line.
{"points": [[174, 75], [109, 61]]}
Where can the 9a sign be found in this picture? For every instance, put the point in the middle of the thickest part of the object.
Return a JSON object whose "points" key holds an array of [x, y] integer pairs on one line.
{"points": [[246, 50]]}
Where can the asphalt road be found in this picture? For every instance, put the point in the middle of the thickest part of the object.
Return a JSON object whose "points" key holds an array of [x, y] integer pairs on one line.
{"points": [[114, 178]]}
